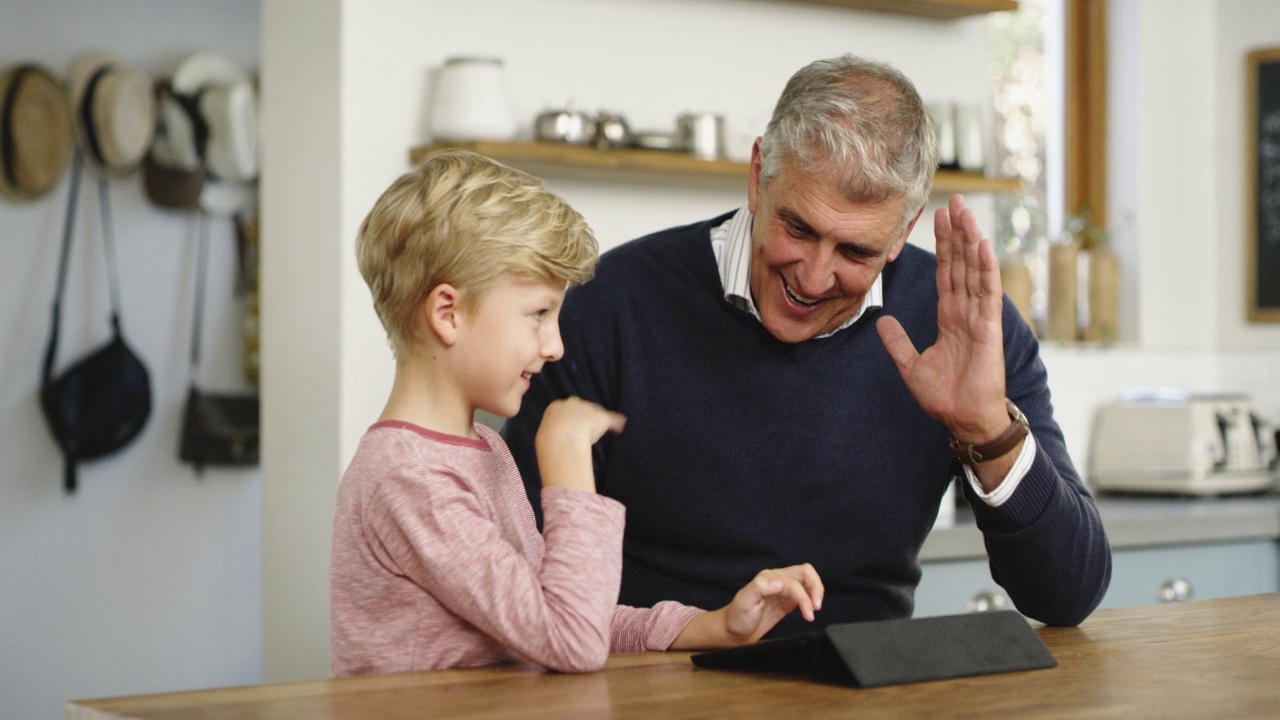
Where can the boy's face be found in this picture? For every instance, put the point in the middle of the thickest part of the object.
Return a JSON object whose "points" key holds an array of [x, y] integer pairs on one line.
{"points": [[507, 339]]}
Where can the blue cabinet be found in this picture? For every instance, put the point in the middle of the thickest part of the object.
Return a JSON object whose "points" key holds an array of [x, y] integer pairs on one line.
{"points": [[1139, 576]]}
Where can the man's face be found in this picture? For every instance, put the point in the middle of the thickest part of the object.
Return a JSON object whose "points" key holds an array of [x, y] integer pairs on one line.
{"points": [[815, 253]]}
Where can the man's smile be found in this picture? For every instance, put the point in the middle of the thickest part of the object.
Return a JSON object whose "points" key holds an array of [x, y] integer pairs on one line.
{"points": [[810, 302]]}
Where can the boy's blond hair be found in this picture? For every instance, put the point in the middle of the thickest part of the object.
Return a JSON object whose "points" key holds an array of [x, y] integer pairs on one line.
{"points": [[466, 220]]}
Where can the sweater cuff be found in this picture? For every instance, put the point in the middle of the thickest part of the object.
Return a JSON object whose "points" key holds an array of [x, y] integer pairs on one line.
{"points": [[645, 629], [1034, 492]]}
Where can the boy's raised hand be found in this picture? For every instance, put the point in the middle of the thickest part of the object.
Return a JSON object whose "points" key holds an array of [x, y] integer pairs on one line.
{"points": [[755, 609], [569, 428]]}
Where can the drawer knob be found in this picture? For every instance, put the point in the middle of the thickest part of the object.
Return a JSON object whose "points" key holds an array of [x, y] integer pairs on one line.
{"points": [[1174, 590], [986, 601]]}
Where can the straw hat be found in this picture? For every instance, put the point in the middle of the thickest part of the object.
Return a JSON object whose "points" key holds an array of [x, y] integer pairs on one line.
{"points": [[35, 132], [114, 111]]}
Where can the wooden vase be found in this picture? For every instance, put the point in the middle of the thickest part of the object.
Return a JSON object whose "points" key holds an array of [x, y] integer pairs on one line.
{"points": [[1063, 321], [1015, 278], [1104, 296]]}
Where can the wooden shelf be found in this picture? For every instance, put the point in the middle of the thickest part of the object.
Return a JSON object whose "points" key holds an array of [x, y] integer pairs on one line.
{"points": [[548, 159], [938, 9]]}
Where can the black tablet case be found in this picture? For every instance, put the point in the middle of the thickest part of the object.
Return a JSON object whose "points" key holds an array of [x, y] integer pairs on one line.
{"points": [[887, 652]]}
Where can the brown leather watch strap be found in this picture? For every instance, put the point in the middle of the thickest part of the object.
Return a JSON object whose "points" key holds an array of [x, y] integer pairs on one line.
{"points": [[971, 454]]}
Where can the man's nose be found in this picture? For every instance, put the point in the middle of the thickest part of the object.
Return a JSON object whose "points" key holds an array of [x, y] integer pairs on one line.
{"points": [[817, 272]]}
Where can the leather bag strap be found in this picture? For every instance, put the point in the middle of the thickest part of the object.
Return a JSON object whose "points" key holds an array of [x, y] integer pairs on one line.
{"points": [[202, 261], [109, 244], [68, 233]]}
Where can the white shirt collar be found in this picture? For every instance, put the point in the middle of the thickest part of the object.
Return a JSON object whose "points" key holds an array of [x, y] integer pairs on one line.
{"points": [[731, 243]]}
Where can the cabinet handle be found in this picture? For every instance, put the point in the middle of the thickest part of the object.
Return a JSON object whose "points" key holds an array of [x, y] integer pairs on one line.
{"points": [[986, 601], [1174, 590]]}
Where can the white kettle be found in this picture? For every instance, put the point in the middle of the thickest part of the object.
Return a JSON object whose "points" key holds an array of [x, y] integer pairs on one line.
{"points": [[471, 101]]}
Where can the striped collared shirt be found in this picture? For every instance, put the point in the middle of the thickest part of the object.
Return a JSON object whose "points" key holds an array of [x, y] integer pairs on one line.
{"points": [[731, 242]]}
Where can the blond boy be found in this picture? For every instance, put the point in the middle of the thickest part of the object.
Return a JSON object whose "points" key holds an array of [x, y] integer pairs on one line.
{"points": [[437, 561]]}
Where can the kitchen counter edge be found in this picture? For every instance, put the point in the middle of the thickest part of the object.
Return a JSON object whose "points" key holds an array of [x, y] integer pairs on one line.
{"points": [[1138, 522]]}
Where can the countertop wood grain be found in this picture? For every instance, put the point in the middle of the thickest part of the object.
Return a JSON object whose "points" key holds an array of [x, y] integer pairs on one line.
{"points": [[1200, 659]]}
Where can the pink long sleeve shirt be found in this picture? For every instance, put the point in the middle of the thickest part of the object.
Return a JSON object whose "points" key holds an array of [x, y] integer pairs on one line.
{"points": [[437, 563]]}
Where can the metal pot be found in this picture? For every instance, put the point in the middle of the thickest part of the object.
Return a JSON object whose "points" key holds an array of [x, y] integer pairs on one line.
{"points": [[701, 134], [612, 131], [567, 125]]}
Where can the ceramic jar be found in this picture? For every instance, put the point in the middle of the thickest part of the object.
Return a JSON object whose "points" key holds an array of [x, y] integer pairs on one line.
{"points": [[472, 101]]}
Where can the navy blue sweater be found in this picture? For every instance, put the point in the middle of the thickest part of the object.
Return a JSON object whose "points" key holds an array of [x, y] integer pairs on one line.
{"points": [[742, 452]]}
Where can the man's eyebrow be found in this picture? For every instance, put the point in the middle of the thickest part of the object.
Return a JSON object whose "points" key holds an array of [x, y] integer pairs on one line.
{"points": [[860, 250], [792, 218]]}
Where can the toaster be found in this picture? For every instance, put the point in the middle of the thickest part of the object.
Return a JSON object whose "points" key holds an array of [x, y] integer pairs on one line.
{"points": [[1195, 444]]}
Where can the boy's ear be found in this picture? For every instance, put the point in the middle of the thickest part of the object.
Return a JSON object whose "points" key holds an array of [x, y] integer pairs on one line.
{"points": [[441, 312]]}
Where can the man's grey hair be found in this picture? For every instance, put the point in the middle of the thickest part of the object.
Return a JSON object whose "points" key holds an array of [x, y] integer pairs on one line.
{"points": [[858, 123]]}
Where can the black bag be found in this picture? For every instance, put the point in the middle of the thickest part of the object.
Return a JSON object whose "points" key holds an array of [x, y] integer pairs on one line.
{"points": [[102, 402], [217, 428]]}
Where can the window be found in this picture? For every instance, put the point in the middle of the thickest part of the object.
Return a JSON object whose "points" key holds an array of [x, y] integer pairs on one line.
{"points": [[1049, 91]]}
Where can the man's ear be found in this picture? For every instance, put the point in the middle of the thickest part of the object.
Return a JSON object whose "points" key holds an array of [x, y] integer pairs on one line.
{"points": [[753, 178], [441, 313], [902, 241]]}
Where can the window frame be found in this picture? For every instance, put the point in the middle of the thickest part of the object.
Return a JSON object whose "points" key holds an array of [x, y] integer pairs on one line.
{"points": [[1085, 107]]}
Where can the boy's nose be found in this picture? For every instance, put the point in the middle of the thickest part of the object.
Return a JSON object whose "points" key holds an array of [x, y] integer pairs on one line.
{"points": [[552, 346]]}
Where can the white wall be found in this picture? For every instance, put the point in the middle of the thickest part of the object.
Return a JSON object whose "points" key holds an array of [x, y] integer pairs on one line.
{"points": [[1242, 26], [302, 325], [1178, 261], [148, 578]]}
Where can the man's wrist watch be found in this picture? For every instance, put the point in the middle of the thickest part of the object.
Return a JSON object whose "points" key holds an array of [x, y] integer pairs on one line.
{"points": [[971, 454]]}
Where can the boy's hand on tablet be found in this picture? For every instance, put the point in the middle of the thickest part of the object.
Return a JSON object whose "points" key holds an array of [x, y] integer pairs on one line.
{"points": [[756, 608]]}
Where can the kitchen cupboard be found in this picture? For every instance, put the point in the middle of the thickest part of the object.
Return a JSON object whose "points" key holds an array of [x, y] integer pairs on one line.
{"points": [[1139, 576]]}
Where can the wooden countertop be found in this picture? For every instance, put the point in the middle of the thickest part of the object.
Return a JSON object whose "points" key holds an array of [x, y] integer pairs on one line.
{"points": [[1206, 658]]}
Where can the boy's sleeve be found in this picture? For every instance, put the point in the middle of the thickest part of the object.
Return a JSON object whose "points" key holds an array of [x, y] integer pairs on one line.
{"points": [[557, 617], [641, 629]]}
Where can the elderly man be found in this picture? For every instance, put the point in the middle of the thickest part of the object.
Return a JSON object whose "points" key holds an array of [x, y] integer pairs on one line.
{"points": [[769, 423]]}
